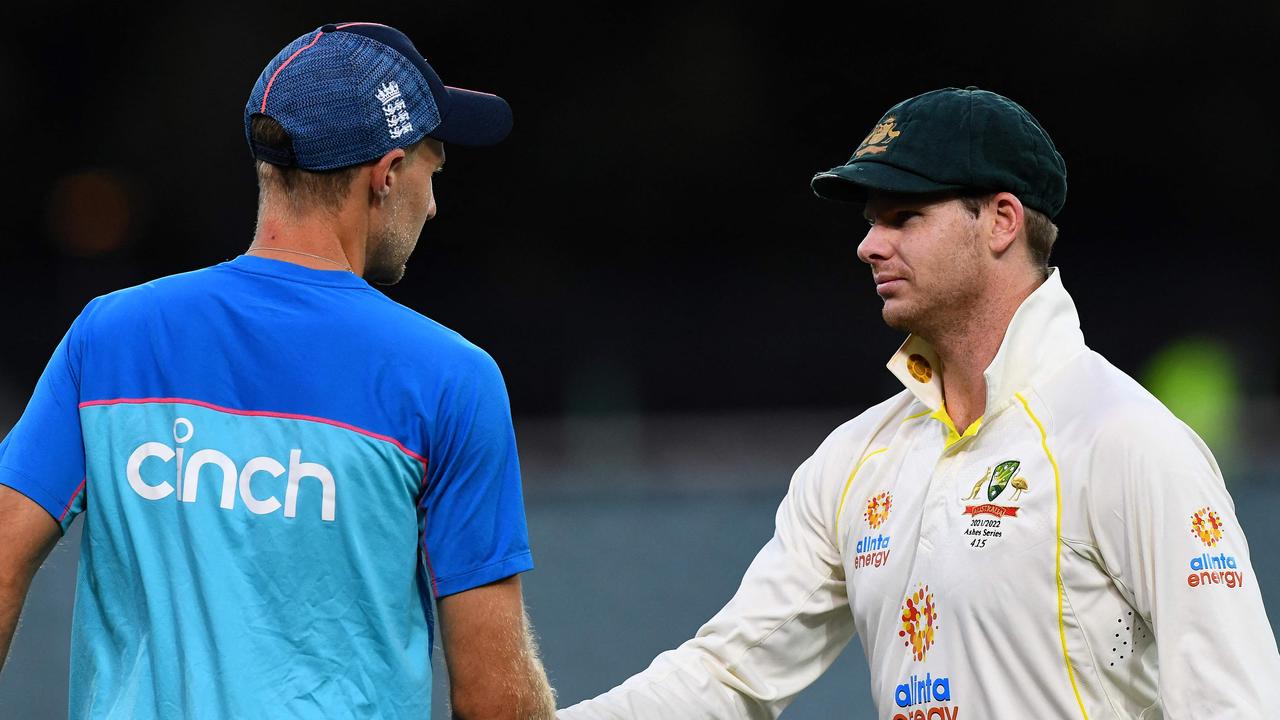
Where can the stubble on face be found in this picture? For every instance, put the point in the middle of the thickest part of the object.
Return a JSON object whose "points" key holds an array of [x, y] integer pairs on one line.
{"points": [[391, 246], [948, 276]]}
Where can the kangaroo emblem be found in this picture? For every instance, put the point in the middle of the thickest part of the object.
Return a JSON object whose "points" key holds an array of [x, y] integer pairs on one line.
{"points": [[977, 487]]}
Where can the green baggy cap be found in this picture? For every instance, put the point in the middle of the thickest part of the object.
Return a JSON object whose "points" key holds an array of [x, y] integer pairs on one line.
{"points": [[954, 140]]}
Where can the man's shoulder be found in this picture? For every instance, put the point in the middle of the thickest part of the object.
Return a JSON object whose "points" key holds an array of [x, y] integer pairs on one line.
{"points": [[826, 472], [419, 334], [374, 312], [1090, 388], [872, 427], [171, 291], [1095, 406]]}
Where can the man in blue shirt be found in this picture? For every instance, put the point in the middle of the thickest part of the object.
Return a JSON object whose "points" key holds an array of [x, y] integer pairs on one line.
{"points": [[279, 466]]}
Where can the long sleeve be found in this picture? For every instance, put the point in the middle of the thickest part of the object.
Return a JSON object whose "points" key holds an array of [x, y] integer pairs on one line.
{"points": [[1167, 530], [783, 628]]}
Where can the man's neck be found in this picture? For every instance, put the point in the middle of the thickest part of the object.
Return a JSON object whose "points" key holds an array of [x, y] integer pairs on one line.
{"points": [[317, 241], [966, 348]]}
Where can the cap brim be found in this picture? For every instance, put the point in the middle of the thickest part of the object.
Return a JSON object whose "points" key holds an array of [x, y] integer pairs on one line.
{"points": [[850, 183], [474, 119]]}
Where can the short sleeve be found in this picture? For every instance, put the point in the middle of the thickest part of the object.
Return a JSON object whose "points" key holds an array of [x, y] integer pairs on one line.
{"points": [[42, 457], [475, 531]]}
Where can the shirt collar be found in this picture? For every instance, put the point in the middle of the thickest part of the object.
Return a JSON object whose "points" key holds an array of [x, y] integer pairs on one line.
{"points": [[1044, 333], [283, 269]]}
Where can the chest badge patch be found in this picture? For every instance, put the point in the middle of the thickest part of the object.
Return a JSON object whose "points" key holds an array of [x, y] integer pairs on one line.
{"points": [[996, 481], [994, 484]]}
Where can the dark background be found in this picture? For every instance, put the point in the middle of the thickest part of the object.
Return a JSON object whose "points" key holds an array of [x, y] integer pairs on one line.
{"points": [[679, 319], [646, 239]]}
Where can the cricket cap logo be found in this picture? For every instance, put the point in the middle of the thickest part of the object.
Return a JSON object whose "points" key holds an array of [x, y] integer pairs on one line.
{"points": [[919, 622], [878, 140], [878, 509], [1207, 526]]}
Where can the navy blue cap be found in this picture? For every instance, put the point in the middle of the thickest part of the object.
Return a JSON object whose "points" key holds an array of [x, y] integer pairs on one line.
{"points": [[349, 93]]}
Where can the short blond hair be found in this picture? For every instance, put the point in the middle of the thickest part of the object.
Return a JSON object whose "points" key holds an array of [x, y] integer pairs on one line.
{"points": [[1041, 232], [304, 189]]}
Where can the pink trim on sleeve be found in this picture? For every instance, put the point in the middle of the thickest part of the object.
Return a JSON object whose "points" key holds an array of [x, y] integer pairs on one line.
{"points": [[74, 495]]}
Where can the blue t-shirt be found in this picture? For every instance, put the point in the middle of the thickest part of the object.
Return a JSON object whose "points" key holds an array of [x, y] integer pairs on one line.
{"points": [[277, 466]]}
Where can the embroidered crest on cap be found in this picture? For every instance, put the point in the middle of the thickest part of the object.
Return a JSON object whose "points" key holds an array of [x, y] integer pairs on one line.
{"points": [[393, 108], [878, 140]]}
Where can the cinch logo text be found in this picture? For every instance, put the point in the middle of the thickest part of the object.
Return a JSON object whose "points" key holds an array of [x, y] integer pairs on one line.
{"points": [[234, 480]]}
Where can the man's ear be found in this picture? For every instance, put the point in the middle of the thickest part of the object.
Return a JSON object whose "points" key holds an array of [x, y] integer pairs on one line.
{"points": [[385, 173], [1008, 221]]}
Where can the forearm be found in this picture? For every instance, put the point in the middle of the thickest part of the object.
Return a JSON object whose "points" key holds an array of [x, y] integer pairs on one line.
{"points": [[530, 696], [27, 534], [494, 670], [12, 594], [524, 695]]}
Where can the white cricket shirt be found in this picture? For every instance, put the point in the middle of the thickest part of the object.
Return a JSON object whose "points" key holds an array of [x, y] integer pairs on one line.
{"points": [[1073, 554]]}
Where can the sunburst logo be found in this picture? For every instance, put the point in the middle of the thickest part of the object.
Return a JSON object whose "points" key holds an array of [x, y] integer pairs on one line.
{"points": [[1207, 526], [919, 622], [878, 509], [919, 368]]}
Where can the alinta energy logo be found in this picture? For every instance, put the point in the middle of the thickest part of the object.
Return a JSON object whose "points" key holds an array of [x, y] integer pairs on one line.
{"points": [[918, 696], [1207, 568], [919, 622], [1206, 525], [873, 550], [878, 509]]}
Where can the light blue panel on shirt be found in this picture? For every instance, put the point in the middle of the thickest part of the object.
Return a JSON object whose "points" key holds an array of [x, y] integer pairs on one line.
{"points": [[232, 559]]}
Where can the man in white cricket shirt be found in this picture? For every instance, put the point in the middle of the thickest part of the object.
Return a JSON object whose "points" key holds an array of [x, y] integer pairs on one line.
{"points": [[1023, 532]]}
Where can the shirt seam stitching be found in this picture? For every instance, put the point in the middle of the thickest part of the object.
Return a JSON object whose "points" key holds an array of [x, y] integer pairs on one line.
{"points": [[828, 577], [32, 485], [1093, 658], [1105, 571]]}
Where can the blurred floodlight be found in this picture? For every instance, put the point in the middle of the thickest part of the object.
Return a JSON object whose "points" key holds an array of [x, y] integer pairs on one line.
{"points": [[91, 213], [1198, 380]]}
